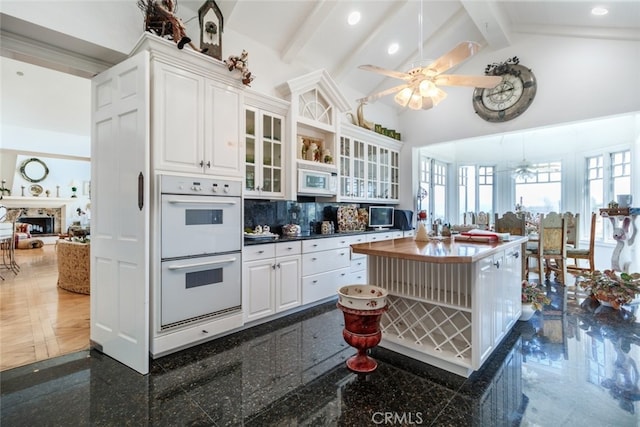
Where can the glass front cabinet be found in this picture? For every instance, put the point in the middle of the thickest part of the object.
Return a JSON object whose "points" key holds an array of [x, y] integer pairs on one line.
{"points": [[368, 166], [264, 154]]}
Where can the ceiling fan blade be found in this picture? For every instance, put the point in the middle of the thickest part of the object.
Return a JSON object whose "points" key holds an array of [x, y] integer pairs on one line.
{"points": [[473, 81], [383, 71], [378, 95], [452, 58]]}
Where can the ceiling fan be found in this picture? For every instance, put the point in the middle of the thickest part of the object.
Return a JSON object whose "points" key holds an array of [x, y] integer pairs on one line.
{"points": [[420, 90]]}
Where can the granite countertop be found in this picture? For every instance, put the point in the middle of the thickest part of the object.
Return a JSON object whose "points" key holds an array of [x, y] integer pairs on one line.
{"points": [[309, 236], [443, 251]]}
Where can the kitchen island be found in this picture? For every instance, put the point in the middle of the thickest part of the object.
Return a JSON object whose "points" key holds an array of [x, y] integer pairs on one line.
{"points": [[450, 302]]}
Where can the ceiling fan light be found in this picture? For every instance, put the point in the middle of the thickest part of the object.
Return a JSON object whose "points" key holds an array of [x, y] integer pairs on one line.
{"points": [[415, 103], [402, 98], [427, 88], [438, 95]]}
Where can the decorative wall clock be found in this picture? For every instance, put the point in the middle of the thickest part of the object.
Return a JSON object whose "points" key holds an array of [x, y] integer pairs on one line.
{"points": [[211, 24], [511, 97]]}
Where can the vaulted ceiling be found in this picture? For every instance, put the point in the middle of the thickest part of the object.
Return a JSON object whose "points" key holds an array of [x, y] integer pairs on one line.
{"points": [[316, 33]]}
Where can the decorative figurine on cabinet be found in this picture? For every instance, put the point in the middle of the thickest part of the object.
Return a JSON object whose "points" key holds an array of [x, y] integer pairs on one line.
{"points": [[211, 27], [240, 63], [161, 19]]}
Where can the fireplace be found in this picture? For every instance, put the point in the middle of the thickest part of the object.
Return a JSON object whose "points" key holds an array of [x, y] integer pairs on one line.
{"points": [[44, 225]]}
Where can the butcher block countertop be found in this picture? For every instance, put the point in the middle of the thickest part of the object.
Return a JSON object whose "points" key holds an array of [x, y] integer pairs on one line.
{"points": [[445, 251]]}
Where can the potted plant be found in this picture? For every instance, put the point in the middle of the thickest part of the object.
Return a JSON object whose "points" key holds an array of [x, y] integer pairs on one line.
{"points": [[533, 298], [611, 288]]}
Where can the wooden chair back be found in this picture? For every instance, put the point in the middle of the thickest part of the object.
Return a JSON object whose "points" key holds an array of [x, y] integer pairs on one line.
{"points": [[576, 254], [482, 220], [553, 236], [573, 228], [510, 223]]}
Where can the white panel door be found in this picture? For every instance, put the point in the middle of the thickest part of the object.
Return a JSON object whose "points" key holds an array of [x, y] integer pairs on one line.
{"points": [[223, 151], [120, 212]]}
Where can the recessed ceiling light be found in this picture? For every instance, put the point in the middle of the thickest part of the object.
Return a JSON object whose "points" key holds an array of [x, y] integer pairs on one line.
{"points": [[393, 48], [599, 11], [354, 18]]}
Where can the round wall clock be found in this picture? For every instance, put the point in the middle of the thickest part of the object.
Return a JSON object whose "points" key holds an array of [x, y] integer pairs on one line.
{"points": [[510, 98]]}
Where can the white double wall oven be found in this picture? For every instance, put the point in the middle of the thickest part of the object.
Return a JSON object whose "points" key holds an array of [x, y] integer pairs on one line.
{"points": [[201, 247]]}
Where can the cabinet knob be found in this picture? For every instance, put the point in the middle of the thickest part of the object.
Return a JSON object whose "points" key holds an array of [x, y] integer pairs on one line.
{"points": [[260, 252], [497, 264], [273, 267], [209, 164], [278, 265], [315, 281], [314, 259], [201, 163], [516, 255]]}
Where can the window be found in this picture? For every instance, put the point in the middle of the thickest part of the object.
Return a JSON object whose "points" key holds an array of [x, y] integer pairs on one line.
{"points": [[601, 187], [541, 192], [475, 190], [620, 173], [439, 199], [432, 194], [595, 191]]}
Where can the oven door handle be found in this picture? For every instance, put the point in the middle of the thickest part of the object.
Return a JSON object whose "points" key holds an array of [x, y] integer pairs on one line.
{"points": [[202, 202], [202, 264]]}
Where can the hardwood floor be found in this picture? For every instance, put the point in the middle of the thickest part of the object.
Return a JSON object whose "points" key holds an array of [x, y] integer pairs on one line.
{"points": [[38, 320]]}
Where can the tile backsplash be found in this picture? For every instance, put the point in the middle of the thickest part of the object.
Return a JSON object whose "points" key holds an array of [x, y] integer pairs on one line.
{"points": [[275, 214]]}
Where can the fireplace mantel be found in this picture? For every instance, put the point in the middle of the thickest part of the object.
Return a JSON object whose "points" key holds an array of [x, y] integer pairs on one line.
{"points": [[35, 202]]}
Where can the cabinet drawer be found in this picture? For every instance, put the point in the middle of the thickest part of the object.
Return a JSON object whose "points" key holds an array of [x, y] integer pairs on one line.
{"points": [[358, 238], [386, 235], [323, 285], [358, 264], [288, 248], [315, 245], [256, 252], [357, 278], [319, 262]]}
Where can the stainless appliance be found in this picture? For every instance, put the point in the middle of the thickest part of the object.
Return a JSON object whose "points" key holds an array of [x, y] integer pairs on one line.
{"points": [[201, 247]]}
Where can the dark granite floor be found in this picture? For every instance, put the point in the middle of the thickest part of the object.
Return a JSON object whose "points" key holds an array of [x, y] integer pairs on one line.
{"points": [[567, 366]]}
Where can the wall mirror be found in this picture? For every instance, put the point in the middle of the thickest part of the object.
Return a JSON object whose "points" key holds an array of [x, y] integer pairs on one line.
{"points": [[34, 170]]}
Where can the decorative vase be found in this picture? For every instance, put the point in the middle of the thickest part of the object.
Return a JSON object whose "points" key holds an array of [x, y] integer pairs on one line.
{"points": [[362, 322], [422, 235], [527, 311]]}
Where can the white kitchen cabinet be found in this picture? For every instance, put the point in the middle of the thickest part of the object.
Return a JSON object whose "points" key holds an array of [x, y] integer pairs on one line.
{"points": [[326, 266], [369, 166], [316, 103], [271, 279], [265, 154], [196, 123]]}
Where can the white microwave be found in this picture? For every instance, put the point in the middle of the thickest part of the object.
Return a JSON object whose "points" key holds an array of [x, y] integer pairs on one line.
{"points": [[317, 183]]}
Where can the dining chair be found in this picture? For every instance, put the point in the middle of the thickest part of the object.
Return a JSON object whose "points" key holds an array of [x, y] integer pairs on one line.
{"points": [[587, 254], [515, 225], [469, 218], [553, 234], [534, 261], [573, 229], [482, 220], [510, 223]]}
